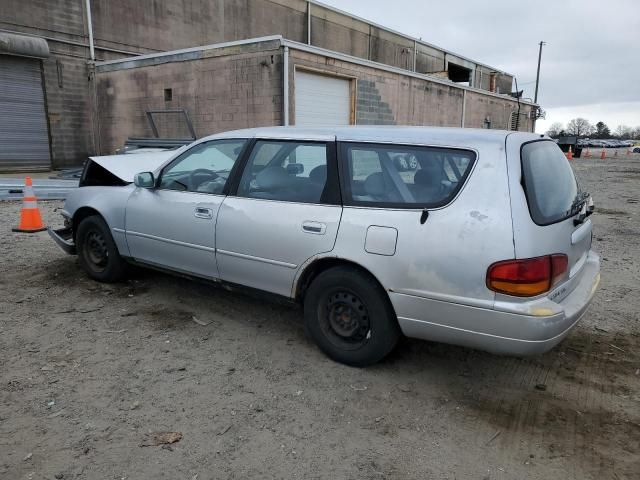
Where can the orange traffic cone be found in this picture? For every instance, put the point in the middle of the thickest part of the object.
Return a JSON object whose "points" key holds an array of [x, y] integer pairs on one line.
{"points": [[30, 219], [570, 154], [603, 155]]}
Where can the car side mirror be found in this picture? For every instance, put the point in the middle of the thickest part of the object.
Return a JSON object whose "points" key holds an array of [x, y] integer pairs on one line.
{"points": [[144, 180]]}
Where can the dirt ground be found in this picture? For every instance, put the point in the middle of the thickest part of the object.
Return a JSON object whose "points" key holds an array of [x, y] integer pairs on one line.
{"points": [[89, 370]]}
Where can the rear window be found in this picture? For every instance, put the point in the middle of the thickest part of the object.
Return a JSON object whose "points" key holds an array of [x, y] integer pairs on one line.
{"points": [[549, 183], [403, 176]]}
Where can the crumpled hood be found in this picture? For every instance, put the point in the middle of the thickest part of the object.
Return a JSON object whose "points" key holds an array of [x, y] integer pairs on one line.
{"points": [[125, 166]]}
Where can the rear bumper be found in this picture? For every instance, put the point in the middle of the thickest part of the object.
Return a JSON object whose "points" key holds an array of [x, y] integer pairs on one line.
{"points": [[506, 329], [64, 238]]}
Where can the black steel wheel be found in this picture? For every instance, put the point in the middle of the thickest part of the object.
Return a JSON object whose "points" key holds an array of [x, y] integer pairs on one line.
{"points": [[97, 251], [350, 317], [346, 320]]}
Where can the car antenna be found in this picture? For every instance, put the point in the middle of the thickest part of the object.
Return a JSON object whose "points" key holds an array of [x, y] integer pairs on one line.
{"points": [[424, 216]]}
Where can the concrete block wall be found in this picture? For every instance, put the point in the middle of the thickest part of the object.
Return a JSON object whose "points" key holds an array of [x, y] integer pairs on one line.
{"points": [[170, 25], [220, 93], [69, 108], [370, 109], [497, 110], [388, 98], [44, 17]]}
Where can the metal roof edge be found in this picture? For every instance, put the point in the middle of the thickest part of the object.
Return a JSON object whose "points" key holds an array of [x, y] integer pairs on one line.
{"points": [[202, 48], [401, 71]]}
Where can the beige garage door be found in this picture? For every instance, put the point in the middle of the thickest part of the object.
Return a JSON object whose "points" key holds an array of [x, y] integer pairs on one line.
{"points": [[321, 100]]}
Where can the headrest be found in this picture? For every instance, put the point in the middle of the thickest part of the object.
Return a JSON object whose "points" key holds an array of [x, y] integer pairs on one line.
{"points": [[318, 174], [430, 175], [271, 178], [374, 185]]}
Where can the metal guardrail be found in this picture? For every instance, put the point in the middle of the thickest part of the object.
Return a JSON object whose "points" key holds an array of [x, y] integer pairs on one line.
{"points": [[45, 189]]}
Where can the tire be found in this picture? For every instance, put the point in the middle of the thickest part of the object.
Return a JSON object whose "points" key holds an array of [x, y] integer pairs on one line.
{"points": [[350, 317], [97, 251]]}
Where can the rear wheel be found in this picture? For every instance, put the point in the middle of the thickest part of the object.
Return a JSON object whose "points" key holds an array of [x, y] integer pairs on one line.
{"points": [[350, 317], [97, 251]]}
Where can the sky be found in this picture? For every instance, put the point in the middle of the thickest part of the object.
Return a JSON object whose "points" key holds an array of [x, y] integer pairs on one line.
{"points": [[590, 63]]}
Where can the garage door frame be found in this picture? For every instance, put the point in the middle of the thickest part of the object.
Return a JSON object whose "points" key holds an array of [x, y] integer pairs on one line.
{"points": [[353, 85]]}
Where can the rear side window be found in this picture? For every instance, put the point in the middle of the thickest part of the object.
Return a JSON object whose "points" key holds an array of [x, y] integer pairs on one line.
{"points": [[549, 183], [286, 171], [403, 176]]}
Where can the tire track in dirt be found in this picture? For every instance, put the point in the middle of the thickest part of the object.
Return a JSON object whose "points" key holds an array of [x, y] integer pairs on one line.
{"points": [[576, 402]]}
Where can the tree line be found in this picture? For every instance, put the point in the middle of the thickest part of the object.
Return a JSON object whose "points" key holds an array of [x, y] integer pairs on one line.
{"points": [[581, 127]]}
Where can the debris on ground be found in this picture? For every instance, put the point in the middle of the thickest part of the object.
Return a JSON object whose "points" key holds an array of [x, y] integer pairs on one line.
{"points": [[200, 322], [161, 438]]}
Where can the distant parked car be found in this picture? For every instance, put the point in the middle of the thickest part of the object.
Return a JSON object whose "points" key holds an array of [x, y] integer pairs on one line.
{"points": [[486, 244]]}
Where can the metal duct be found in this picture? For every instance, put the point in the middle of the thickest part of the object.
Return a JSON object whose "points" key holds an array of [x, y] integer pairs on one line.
{"points": [[23, 45]]}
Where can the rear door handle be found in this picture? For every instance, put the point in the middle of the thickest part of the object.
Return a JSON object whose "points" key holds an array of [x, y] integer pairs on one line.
{"points": [[202, 212], [316, 228]]}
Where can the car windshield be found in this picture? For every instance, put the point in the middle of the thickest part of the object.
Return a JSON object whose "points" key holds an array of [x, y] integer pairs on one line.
{"points": [[204, 168], [550, 185], [218, 157]]}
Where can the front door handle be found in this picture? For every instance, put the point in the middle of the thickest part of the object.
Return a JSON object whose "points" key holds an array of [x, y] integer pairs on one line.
{"points": [[202, 212], [316, 228]]}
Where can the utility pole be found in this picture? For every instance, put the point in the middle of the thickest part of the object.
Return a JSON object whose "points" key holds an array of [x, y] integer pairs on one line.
{"points": [[535, 98]]}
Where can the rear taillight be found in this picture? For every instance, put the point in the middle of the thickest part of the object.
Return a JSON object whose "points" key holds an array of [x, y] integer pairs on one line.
{"points": [[559, 268], [527, 277]]}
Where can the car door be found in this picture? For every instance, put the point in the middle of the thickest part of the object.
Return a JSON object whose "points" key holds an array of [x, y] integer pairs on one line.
{"points": [[173, 224], [286, 209]]}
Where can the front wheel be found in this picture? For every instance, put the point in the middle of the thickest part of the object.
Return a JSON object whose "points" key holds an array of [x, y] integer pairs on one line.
{"points": [[97, 251], [350, 317]]}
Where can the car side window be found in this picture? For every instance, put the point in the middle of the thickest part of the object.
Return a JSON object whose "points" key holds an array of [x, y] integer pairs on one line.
{"points": [[286, 171], [204, 168], [404, 176]]}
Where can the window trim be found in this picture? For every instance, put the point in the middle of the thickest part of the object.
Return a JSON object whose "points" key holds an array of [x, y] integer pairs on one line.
{"points": [[523, 183], [332, 187], [347, 196], [181, 157]]}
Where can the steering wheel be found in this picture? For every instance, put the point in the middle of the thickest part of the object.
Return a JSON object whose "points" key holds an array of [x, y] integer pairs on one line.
{"points": [[192, 175]]}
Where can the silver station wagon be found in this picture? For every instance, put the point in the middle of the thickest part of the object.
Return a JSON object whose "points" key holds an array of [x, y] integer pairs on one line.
{"points": [[479, 238]]}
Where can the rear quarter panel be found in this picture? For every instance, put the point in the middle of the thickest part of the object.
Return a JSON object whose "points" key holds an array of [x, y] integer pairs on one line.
{"points": [[447, 257]]}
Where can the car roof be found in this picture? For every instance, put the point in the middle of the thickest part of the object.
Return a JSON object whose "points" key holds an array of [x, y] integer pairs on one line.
{"points": [[382, 134]]}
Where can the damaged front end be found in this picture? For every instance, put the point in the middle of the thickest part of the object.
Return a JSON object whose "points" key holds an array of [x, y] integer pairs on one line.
{"points": [[119, 170], [97, 195], [95, 175], [64, 236]]}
